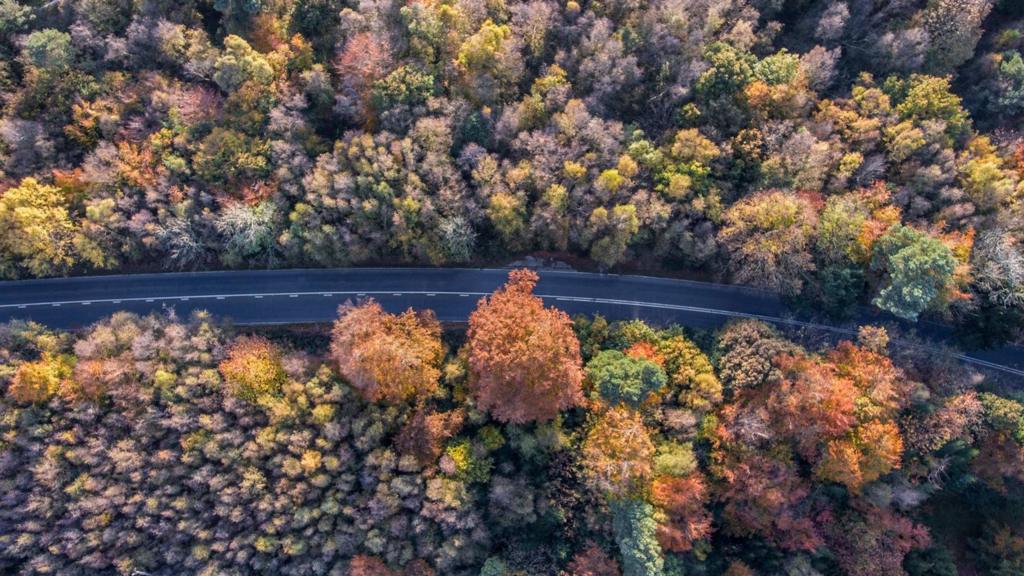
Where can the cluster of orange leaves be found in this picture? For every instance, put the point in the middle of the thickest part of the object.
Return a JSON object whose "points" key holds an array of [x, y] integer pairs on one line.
{"points": [[682, 500], [838, 412], [524, 359], [390, 357], [592, 561], [363, 565]]}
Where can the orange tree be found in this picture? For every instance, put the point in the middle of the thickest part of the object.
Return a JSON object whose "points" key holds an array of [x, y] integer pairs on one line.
{"points": [[386, 356], [524, 359]]}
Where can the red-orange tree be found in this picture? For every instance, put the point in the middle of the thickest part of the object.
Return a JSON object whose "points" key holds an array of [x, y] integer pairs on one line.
{"points": [[682, 500], [839, 412], [524, 359], [385, 356], [363, 565], [592, 561]]}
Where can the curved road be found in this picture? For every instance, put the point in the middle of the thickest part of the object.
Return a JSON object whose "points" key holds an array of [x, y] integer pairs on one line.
{"points": [[296, 296]]}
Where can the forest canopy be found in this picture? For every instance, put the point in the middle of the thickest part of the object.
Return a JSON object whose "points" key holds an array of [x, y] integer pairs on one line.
{"points": [[386, 446], [845, 152]]}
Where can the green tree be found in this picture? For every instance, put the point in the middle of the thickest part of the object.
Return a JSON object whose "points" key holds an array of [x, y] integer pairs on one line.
{"points": [[919, 268], [236, 12], [404, 86], [840, 290], [922, 98], [1011, 83], [636, 534], [768, 240], [691, 375], [49, 50], [226, 156], [507, 213], [719, 90], [317, 20], [14, 17], [239, 64], [491, 62], [494, 566], [621, 379], [253, 369]]}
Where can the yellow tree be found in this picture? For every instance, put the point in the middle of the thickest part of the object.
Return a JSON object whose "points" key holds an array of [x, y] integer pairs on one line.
{"points": [[36, 232], [253, 369], [618, 454], [39, 381]]}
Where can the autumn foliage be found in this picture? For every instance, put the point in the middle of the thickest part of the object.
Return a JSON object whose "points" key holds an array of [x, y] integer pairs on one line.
{"points": [[682, 501], [618, 452], [387, 357], [424, 434], [180, 435], [592, 561], [363, 565], [39, 381], [253, 368], [524, 359], [838, 411]]}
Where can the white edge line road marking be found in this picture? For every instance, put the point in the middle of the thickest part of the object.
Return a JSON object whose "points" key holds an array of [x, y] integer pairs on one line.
{"points": [[640, 304]]}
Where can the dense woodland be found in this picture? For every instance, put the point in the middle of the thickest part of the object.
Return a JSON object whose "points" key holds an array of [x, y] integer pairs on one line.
{"points": [[858, 152], [843, 153], [530, 444]]}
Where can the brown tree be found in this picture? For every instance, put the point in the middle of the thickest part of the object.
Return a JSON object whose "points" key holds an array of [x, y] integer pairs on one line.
{"points": [[364, 59], [387, 357], [423, 436], [363, 565], [524, 359], [592, 561], [418, 568]]}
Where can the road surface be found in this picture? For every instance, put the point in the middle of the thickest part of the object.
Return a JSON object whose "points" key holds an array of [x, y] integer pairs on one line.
{"points": [[299, 296]]}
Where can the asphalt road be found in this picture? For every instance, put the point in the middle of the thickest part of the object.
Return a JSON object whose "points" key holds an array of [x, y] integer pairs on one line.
{"points": [[299, 296]]}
